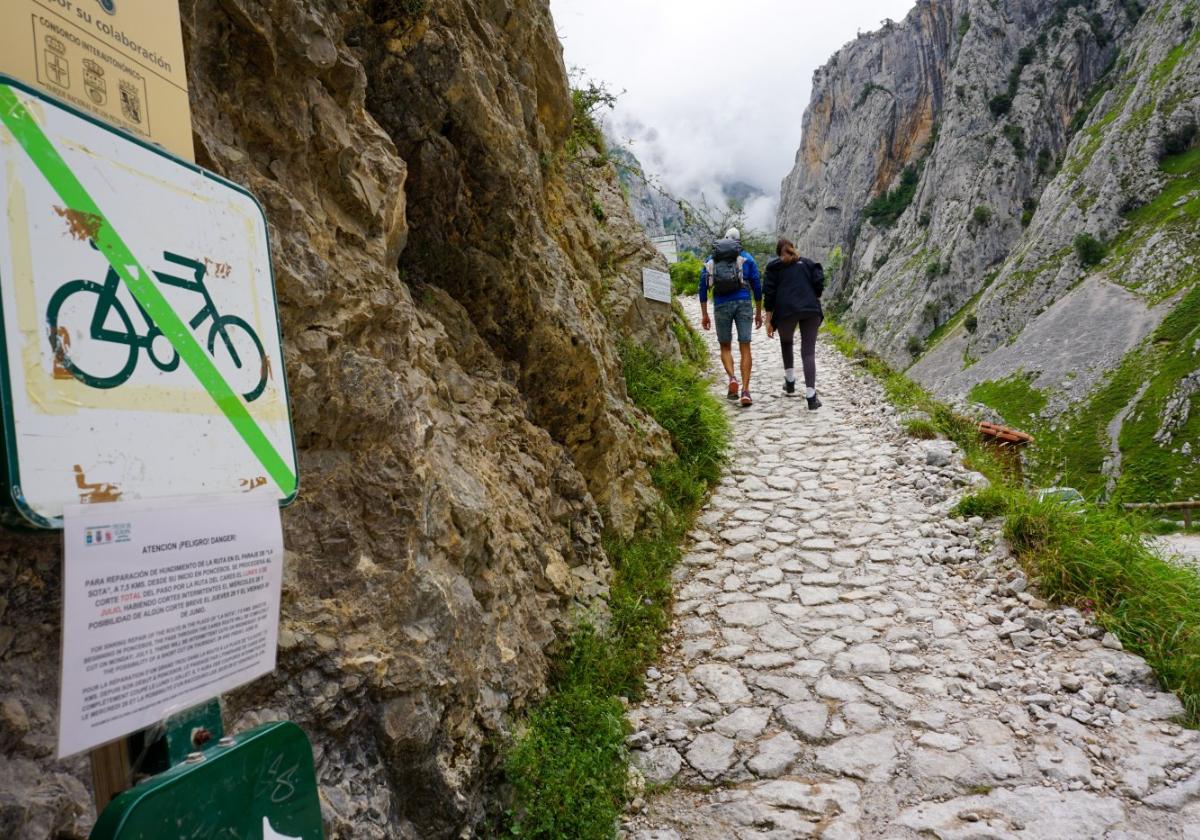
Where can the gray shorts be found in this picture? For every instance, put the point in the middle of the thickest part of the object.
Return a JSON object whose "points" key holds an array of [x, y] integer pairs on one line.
{"points": [[725, 315]]}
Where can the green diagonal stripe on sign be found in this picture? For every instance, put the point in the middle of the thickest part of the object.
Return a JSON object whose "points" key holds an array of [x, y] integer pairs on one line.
{"points": [[50, 163]]}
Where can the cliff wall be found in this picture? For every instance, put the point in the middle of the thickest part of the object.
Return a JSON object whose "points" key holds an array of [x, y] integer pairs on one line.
{"points": [[453, 286], [1047, 228]]}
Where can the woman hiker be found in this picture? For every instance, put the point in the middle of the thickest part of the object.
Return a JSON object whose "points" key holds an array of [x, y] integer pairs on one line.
{"points": [[792, 298]]}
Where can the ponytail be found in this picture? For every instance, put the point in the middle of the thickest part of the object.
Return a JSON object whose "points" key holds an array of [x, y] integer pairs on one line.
{"points": [[786, 251]]}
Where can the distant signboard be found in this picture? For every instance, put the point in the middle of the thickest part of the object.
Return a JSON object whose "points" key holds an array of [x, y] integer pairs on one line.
{"points": [[121, 60], [668, 246], [141, 348], [165, 605], [656, 285]]}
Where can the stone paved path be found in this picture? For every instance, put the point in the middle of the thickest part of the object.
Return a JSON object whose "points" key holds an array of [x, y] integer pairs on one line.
{"points": [[847, 661]]}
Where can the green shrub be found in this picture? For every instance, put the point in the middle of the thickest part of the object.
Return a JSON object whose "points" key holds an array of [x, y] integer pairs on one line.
{"points": [[915, 346], [1045, 161], [971, 322], [933, 268], [1000, 104], [1089, 249], [1016, 136], [860, 326], [981, 215], [685, 275], [923, 220], [884, 210], [964, 25]]}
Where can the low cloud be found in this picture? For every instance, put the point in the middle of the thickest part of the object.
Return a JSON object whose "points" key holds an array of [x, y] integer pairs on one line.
{"points": [[712, 93]]}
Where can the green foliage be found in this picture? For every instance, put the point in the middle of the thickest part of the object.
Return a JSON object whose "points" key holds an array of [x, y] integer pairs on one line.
{"points": [[860, 326], [964, 25], [915, 345], [833, 262], [933, 268], [884, 210], [1015, 398], [1000, 104], [1095, 559], [685, 275], [988, 503], [1016, 136], [971, 323], [1027, 211], [981, 215], [586, 101], [1089, 249], [924, 220], [567, 764]]}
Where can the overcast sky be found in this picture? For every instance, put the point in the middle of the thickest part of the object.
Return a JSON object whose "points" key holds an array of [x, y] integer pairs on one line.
{"points": [[714, 92]]}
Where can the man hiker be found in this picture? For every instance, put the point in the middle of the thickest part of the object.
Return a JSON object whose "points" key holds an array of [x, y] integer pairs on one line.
{"points": [[733, 275]]}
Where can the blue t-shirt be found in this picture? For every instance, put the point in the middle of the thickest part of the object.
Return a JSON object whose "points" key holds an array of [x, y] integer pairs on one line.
{"points": [[749, 273]]}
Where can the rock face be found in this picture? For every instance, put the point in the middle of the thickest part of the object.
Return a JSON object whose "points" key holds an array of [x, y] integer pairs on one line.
{"points": [[1024, 124], [654, 209], [452, 304]]}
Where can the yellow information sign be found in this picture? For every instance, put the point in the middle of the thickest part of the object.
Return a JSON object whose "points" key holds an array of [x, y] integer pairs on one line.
{"points": [[121, 60]]}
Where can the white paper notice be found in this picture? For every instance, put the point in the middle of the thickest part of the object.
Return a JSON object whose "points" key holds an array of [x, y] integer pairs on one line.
{"points": [[656, 285], [166, 604]]}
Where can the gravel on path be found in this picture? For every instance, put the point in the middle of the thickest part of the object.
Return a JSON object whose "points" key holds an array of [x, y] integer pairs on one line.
{"points": [[847, 661]]}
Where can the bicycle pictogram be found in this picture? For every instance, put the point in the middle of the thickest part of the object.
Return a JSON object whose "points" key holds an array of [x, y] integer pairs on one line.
{"points": [[237, 338]]}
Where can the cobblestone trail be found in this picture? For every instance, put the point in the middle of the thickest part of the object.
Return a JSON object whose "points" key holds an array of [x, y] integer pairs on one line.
{"points": [[848, 662]]}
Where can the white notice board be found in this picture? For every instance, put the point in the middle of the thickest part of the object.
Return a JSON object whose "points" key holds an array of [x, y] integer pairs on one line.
{"points": [[166, 604], [656, 285], [141, 348]]}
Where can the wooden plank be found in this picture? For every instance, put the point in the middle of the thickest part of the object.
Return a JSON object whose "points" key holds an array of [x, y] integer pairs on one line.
{"points": [[111, 771]]}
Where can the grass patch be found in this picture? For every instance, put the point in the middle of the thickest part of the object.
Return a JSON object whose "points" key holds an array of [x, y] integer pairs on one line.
{"points": [[1088, 556], [1015, 398], [920, 428], [567, 764], [988, 503]]}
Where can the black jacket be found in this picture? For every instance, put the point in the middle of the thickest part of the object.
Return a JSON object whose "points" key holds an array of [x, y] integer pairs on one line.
{"points": [[793, 290]]}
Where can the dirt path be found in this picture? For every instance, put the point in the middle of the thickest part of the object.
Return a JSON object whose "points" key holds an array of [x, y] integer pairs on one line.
{"points": [[847, 661]]}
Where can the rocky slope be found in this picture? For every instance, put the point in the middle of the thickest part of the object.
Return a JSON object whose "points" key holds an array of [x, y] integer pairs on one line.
{"points": [[654, 209], [1024, 124], [453, 288]]}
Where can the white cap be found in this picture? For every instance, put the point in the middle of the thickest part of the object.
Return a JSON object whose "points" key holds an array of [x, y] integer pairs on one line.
{"points": [[733, 233]]}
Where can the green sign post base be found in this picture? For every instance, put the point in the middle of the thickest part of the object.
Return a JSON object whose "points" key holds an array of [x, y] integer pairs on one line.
{"points": [[259, 785]]}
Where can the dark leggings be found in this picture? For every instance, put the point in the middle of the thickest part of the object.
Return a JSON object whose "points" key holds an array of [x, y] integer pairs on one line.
{"points": [[809, 324]]}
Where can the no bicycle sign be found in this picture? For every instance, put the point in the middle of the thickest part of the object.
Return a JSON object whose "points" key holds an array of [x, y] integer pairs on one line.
{"points": [[142, 356]]}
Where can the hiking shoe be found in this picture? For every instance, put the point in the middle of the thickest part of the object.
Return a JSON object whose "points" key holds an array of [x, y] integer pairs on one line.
{"points": [[789, 388], [813, 402], [746, 399], [733, 390]]}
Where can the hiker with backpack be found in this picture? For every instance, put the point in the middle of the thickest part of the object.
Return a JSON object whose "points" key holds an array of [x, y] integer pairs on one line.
{"points": [[792, 297], [733, 275]]}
